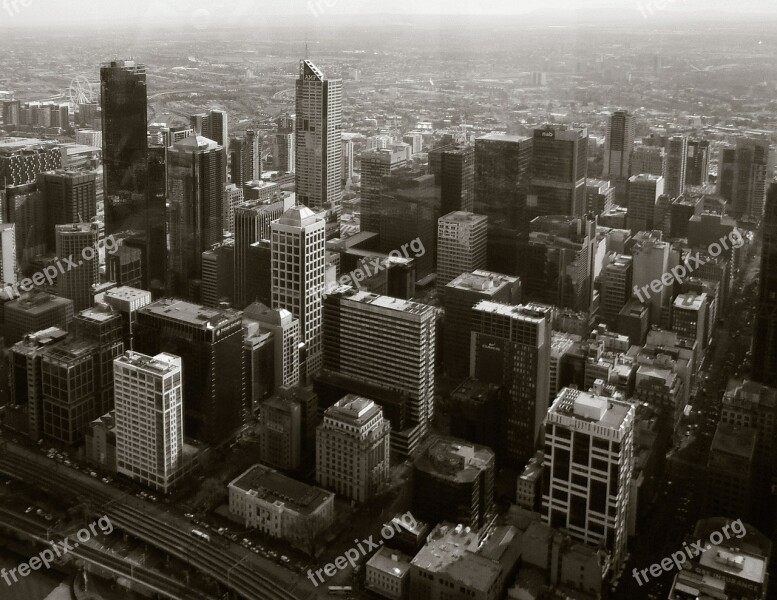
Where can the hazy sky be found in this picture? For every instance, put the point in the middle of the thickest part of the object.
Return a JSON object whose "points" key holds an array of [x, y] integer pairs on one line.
{"points": [[204, 13]]}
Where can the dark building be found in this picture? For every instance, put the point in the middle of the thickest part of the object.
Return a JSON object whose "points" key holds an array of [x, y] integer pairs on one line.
{"points": [[259, 265], [698, 167], [454, 481], [375, 165], [619, 144], [765, 336], [455, 174], [475, 416], [125, 266], [680, 212], [69, 196], [502, 177], [210, 344], [558, 172]]}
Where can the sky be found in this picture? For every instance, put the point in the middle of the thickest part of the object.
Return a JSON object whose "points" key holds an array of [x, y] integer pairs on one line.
{"points": [[152, 13]]}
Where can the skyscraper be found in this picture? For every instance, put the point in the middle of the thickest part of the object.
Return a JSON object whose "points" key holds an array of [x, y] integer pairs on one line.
{"points": [[675, 165], [388, 343], [618, 145], [284, 152], [589, 450], [125, 145], [511, 348], [70, 197], [642, 192], [7, 253], [744, 175], [245, 158], [765, 330], [558, 172], [79, 241], [213, 125], [376, 164], [195, 182], [319, 149], [457, 178], [461, 246], [149, 418], [298, 268], [697, 170]]}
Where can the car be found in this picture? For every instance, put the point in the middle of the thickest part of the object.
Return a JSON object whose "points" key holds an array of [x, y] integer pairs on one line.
{"points": [[233, 537], [285, 558], [92, 474], [29, 510], [221, 530], [105, 480], [67, 463], [188, 515]]}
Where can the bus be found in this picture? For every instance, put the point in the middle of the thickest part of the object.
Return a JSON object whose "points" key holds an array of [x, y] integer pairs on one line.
{"points": [[340, 590]]}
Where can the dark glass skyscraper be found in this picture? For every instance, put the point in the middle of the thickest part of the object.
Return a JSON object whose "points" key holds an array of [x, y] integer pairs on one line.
{"points": [[765, 336]]}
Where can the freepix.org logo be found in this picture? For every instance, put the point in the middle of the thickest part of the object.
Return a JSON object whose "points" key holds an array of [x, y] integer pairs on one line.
{"points": [[14, 7]]}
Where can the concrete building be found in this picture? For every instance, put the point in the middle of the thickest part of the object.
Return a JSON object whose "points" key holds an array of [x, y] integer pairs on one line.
{"points": [[128, 301], [689, 317], [591, 436], [618, 145], [387, 574], [286, 340], [149, 419], [352, 449], [675, 166], [280, 433], [730, 473], [100, 443], [35, 311], [461, 246], [643, 193], [78, 240]]}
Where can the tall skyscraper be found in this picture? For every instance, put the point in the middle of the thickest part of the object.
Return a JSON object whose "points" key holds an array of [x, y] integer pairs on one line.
{"points": [[149, 418], [79, 241], [618, 145], [698, 168], [252, 223], [7, 253], [388, 343], [298, 269], [125, 145], [765, 330], [284, 152], [375, 165], [245, 158], [558, 172], [319, 149], [195, 182], [511, 348], [213, 125], [744, 174], [456, 178], [461, 246], [210, 344], [352, 449], [642, 192], [589, 454], [675, 165]]}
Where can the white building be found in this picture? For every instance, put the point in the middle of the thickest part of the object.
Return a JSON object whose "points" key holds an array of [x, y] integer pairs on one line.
{"points": [[461, 246], [280, 506], [7, 253], [298, 248], [352, 448], [148, 397], [388, 573]]}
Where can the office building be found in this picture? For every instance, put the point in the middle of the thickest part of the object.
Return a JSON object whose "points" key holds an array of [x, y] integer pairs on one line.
{"points": [[128, 301], [213, 125], [70, 197], [284, 152], [765, 329], [454, 481], [352, 449], [689, 317], [195, 182], [387, 574], [558, 172], [233, 197], [218, 278], [461, 296], [318, 170], [281, 507], [125, 266], [730, 474], [456, 177], [8, 264], [511, 349], [102, 325], [744, 174], [375, 166], [600, 195], [618, 145], [697, 171], [245, 158], [390, 344], [285, 329], [21, 160], [298, 269], [616, 288], [78, 240], [648, 160], [35, 311], [149, 419], [280, 433], [100, 443], [589, 445], [252, 224], [675, 165], [461, 246], [643, 191], [210, 344]]}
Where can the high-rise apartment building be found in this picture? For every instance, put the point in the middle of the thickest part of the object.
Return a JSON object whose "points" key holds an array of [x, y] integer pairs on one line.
{"points": [[675, 166], [352, 449], [461, 246], [298, 274], [195, 182], [765, 330], [558, 172], [618, 145], [79, 241], [589, 459], [511, 348], [210, 344], [149, 418], [388, 343], [319, 161]]}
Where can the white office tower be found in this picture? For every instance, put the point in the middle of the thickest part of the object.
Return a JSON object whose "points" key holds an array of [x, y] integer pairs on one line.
{"points": [[149, 418], [298, 262], [589, 442], [7, 253], [318, 138]]}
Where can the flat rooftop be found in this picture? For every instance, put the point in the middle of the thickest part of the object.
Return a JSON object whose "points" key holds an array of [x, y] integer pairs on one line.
{"points": [[161, 364], [273, 487], [586, 407], [503, 137], [455, 460], [386, 302], [190, 313]]}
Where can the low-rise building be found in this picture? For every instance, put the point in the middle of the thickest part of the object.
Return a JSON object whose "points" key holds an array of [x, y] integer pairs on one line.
{"points": [[388, 574]]}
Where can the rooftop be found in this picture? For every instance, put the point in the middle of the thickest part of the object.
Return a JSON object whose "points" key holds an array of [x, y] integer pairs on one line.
{"points": [[190, 313], [455, 460], [586, 407], [273, 487], [161, 364], [391, 562]]}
